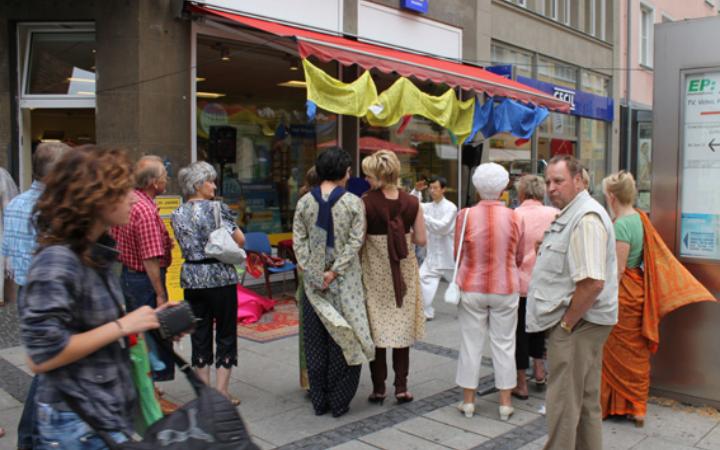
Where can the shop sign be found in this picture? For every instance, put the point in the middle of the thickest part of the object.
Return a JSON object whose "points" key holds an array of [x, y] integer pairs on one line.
{"points": [[582, 104], [504, 70], [420, 6], [700, 203]]}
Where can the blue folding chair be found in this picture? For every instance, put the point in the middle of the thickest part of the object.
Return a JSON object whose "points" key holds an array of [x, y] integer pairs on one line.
{"points": [[258, 242]]}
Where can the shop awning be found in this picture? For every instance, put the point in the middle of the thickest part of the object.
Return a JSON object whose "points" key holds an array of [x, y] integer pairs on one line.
{"points": [[346, 51]]}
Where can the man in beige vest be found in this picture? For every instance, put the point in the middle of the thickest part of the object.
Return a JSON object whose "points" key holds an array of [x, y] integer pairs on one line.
{"points": [[573, 296]]}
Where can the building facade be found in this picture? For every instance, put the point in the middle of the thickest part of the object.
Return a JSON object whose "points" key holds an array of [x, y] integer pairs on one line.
{"points": [[567, 47], [637, 19]]}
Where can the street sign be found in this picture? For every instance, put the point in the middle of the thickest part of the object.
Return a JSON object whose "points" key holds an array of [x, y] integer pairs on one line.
{"points": [[420, 6]]}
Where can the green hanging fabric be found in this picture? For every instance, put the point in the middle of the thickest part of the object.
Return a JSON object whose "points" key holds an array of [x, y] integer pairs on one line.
{"points": [[142, 378]]}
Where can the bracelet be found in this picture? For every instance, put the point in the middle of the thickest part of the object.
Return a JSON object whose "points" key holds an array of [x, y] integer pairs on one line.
{"points": [[122, 330]]}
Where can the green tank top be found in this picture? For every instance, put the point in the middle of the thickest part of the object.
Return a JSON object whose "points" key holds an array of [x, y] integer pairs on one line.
{"points": [[630, 229]]}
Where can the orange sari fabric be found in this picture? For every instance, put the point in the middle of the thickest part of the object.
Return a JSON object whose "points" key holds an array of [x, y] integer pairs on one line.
{"points": [[644, 299]]}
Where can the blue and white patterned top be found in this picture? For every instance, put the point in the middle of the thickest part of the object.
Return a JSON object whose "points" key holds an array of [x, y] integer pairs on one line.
{"points": [[20, 239], [192, 223]]}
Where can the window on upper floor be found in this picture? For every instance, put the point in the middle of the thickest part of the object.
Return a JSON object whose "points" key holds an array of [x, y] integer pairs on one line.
{"points": [[567, 16], [591, 16], [522, 3], [647, 19], [554, 6]]}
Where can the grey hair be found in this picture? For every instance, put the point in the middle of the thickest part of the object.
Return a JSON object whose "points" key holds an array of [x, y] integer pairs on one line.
{"points": [[192, 176], [146, 173], [45, 156], [490, 180], [531, 187]]}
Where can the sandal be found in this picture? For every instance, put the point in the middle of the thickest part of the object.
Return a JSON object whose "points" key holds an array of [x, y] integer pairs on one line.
{"points": [[235, 401], [518, 395], [404, 397], [376, 398]]}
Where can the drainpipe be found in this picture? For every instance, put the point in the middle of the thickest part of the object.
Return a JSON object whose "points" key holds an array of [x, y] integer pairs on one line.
{"points": [[628, 88]]}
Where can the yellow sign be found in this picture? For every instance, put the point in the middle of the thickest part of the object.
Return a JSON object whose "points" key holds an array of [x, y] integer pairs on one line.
{"points": [[166, 205]]}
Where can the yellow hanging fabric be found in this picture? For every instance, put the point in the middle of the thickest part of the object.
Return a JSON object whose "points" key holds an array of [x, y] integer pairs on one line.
{"points": [[330, 94], [360, 99], [404, 98]]}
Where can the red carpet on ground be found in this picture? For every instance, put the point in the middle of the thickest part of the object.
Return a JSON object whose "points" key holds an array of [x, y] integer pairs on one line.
{"points": [[279, 323]]}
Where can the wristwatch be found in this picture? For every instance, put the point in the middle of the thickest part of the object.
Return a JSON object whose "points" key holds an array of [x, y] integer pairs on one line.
{"points": [[564, 325]]}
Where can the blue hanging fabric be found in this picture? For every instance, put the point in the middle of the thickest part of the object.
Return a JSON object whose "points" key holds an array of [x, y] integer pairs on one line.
{"points": [[311, 110], [482, 118], [517, 119]]}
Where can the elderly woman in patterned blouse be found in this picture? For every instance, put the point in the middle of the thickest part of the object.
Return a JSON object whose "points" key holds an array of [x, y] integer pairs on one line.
{"points": [[328, 233], [210, 286]]}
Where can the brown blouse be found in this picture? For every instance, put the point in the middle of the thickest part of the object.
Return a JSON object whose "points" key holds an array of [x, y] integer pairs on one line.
{"points": [[394, 218]]}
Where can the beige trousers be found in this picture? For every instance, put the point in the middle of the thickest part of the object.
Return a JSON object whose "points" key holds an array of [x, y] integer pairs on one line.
{"points": [[574, 416]]}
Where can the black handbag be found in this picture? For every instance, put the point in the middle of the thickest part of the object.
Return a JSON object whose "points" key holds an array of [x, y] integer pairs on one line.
{"points": [[208, 422]]}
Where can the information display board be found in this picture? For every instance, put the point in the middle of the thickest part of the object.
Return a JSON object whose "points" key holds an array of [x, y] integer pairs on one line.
{"points": [[700, 169], [166, 205]]}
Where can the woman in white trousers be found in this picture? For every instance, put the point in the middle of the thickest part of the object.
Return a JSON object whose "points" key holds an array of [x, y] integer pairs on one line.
{"points": [[488, 278]]}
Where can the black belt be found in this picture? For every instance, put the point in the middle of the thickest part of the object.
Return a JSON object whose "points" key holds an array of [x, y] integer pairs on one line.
{"points": [[203, 261]]}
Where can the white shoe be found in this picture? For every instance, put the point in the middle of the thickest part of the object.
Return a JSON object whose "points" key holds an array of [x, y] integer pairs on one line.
{"points": [[466, 408], [506, 412]]}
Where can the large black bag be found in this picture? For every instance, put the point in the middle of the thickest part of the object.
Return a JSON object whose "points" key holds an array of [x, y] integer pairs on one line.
{"points": [[208, 422]]}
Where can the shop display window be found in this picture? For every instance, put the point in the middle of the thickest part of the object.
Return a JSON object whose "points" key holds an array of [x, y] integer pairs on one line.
{"points": [[61, 64], [595, 83], [556, 72], [593, 153], [252, 126], [643, 173], [522, 61]]}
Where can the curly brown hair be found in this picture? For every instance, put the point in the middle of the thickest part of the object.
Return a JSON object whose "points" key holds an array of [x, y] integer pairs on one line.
{"points": [[83, 181]]}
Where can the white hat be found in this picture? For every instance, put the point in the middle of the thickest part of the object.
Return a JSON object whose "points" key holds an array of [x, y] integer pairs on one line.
{"points": [[490, 180]]}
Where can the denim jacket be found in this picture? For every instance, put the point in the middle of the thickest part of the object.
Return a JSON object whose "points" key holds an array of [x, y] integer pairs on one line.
{"points": [[63, 297]]}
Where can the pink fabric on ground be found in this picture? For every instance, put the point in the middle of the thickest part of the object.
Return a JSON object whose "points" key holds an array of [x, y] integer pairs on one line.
{"points": [[251, 305]]}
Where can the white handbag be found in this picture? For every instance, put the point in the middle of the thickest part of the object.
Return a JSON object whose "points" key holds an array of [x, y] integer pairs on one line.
{"points": [[452, 293], [221, 245]]}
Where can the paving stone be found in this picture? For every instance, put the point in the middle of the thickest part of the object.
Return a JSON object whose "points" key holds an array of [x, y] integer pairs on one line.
{"points": [[397, 440], [652, 443], [441, 433], [477, 424], [531, 405], [620, 434], [711, 440], [354, 445], [537, 444], [669, 424], [490, 410], [9, 419]]}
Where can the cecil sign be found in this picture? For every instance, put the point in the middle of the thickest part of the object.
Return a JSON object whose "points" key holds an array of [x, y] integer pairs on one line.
{"points": [[420, 6]]}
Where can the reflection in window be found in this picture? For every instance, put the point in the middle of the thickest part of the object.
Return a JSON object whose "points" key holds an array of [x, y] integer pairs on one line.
{"points": [[593, 153], [61, 64], [252, 126], [643, 174]]}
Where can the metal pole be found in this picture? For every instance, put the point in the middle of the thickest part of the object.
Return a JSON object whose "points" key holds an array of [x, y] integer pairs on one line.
{"points": [[628, 88]]}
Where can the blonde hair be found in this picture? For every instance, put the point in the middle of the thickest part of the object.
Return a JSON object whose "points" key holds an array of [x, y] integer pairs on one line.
{"points": [[384, 166], [531, 187], [622, 186]]}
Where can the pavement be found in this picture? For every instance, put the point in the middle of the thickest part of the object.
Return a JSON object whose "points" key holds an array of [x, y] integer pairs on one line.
{"points": [[279, 415]]}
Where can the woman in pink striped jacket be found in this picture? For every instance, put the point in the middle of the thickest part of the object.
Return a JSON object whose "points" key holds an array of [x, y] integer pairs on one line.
{"points": [[488, 278]]}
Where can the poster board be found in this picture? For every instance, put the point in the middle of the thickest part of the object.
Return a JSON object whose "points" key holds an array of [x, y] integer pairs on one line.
{"points": [[166, 205], [700, 167]]}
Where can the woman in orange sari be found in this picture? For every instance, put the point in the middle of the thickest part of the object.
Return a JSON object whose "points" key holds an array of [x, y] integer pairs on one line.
{"points": [[653, 283]]}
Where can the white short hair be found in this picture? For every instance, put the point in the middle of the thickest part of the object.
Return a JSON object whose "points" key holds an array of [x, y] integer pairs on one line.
{"points": [[490, 180], [192, 176]]}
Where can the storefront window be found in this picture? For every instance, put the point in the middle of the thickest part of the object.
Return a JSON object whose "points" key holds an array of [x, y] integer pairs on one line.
{"points": [[514, 154], [557, 135], [522, 61], [596, 84], [61, 64], [425, 149], [593, 153], [644, 165], [557, 73], [252, 126]]}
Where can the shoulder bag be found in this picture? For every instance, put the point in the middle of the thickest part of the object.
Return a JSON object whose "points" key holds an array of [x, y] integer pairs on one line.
{"points": [[452, 294], [221, 245]]}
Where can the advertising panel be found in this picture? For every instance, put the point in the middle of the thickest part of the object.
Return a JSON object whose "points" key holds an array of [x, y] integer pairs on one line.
{"points": [[700, 170]]}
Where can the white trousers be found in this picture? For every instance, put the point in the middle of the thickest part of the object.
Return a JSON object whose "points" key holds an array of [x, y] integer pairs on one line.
{"points": [[482, 315], [429, 281]]}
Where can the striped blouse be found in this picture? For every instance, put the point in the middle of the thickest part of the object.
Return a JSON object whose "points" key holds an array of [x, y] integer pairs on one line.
{"points": [[492, 248]]}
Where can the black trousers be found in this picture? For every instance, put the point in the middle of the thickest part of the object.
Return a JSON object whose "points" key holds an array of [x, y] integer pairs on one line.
{"points": [[401, 367], [219, 306], [333, 383], [527, 344]]}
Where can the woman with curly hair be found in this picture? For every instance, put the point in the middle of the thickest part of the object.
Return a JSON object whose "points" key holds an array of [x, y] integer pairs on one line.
{"points": [[72, 312]]}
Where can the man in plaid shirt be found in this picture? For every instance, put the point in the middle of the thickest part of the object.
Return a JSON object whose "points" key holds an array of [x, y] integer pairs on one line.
{"points": [[145, 245]]}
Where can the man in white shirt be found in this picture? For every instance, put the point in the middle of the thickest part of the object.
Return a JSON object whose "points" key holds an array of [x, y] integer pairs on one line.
{"points": [[439, 217]]}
